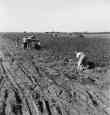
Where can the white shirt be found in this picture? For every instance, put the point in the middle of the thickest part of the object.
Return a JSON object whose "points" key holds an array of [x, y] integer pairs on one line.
{"points": [[24, 39], [79, 54]]}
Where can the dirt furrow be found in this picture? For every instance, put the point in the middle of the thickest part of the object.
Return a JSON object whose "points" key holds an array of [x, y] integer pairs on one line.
{"points": [[51, 90]]}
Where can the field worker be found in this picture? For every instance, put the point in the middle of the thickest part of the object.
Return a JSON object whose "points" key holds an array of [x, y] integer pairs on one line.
{"points": [[29, 41], [38, 44], [80, 56], [83, 62], [25, 42]]}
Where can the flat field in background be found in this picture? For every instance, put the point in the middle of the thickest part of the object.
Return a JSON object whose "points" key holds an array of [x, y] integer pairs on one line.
{"points": [[60, 45]]}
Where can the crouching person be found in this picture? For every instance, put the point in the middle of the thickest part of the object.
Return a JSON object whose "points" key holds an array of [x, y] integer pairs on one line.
{"points": [[83, 62], [38, 45]]}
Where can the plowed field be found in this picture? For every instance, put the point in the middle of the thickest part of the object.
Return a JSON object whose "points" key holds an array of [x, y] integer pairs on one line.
{"points": [[41, 82]]}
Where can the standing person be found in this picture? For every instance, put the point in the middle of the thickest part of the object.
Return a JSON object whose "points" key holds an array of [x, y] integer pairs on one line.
{"points": [[29, 41], [25, 42]]}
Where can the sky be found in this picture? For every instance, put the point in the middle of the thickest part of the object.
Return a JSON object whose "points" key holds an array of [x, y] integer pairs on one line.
{"points": [[55, 15]]}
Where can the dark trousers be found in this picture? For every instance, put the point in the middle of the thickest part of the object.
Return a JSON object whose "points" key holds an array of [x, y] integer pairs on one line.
{"points": [[25, 45], [28, 43]]}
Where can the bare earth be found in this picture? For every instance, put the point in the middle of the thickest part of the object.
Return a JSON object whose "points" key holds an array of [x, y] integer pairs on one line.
{"points": [[33, 83]]}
